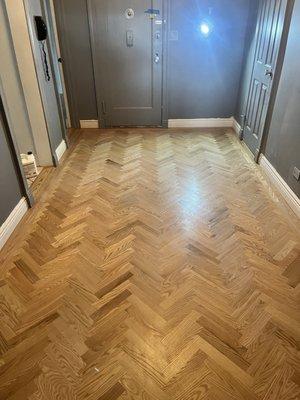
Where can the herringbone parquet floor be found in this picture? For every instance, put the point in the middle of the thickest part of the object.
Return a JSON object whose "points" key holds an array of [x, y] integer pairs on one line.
{"points": [[157, 266]]}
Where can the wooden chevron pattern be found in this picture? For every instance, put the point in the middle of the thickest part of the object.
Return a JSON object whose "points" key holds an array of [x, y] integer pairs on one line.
{"points": [[156, 266]]}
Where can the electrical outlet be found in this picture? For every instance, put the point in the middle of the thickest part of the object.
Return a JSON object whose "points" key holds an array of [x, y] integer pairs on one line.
{"points": [[296, 173]]}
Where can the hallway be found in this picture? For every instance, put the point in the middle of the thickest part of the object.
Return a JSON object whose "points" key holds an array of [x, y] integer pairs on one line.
{"points": [[156, 266]]}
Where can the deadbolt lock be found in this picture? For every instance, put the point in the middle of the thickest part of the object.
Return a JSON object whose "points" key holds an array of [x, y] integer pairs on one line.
{"points": [[269, 73]]}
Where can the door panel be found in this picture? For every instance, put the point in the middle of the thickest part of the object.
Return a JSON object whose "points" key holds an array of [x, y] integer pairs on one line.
{"points": [[268, 38], [127, 53]]}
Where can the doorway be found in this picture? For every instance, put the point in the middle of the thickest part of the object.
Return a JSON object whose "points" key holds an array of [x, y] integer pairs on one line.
{"points": [[30, 87], [269, 30], [41, 43], [127, 45]]}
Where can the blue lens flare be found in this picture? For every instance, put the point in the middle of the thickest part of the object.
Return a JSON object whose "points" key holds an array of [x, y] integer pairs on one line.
{"points": [[205, 28]]}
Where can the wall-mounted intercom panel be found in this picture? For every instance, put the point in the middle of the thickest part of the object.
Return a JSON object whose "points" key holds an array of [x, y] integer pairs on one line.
{"points": [[42, 35], [41, 28]]}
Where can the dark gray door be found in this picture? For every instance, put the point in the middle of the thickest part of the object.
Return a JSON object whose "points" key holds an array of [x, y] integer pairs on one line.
{"points": [[127, 52], [268, 38]]}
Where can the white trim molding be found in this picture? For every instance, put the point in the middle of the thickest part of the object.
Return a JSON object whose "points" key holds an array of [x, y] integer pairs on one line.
{"points": [[60, 151], [201, 123], [236, 127], [12, 221], [206, 123], [89, 124], [290, 197]]}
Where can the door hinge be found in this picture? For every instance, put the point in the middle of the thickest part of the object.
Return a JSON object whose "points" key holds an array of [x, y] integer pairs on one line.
{"points": [[257, 156], [103, 107], [244, 118]]}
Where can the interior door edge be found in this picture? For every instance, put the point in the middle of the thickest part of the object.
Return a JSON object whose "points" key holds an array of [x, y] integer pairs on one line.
{"points": [[97, 80], [166, 28]]}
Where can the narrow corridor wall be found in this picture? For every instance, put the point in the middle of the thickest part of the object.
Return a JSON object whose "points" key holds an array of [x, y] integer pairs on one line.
{"points": [[9, 184]]}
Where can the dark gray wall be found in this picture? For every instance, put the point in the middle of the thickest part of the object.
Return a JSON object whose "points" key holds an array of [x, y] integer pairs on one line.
{"points": [[204, 72], [249, 50], [73, 27], [283, 142], [9, 184]]}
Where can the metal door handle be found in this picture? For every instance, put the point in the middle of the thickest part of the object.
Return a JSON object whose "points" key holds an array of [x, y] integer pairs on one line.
{"points": [[269, 73], [156, 58]]}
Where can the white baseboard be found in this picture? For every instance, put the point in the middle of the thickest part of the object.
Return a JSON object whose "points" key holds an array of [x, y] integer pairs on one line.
{"points": [[236, 127], [201, 123], [61, 150], [206, 123], [12, 221], [290, 197], [89, 124]]}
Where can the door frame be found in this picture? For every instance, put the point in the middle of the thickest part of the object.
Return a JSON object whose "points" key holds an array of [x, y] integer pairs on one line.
{"points": [[165, 57], [41, 86], [277, 76], [58, 14], [21, 41], [286, 20], [55, 67]]}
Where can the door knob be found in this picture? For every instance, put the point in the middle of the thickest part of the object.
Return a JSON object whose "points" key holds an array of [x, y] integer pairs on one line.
{"points": [[269, 73], [156, 58]]}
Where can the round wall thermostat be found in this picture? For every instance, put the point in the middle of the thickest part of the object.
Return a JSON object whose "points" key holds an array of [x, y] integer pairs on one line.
{"points": [[129, 13]]}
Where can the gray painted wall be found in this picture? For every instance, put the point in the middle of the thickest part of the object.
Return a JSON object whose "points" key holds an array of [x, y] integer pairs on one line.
{"points": [[204, 72], [14, 97], [9, 184], [74, 36], [283, 142]]}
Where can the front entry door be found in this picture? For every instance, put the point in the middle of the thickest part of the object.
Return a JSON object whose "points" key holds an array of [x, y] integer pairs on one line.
{"points": [[127, 37], [268, 37]]}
